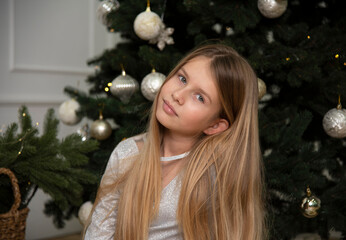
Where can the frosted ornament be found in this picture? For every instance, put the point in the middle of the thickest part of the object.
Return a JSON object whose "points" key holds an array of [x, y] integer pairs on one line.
{"points": [[147, 24], [124, 86], [84, 212], [262, 88], [67, 112], [105, 8], [100, 129], [334, 122], [163, 38], [272, 8], [151, 84]]}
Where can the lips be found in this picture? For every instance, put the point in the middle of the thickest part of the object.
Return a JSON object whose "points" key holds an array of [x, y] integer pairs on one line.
{"points": [[169, 109]]}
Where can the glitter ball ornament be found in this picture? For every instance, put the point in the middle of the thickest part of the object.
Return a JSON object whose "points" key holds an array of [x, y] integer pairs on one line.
{"points": [[100, 129], [105, 8], [124, 86], [262, 88], [147, 24], [310, 205], [84, 132], [272, 8], [151, 84], [67, 112], [84, 211], [334, 122]]}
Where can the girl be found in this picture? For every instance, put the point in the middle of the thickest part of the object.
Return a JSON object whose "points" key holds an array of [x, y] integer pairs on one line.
{"points": [[197, 172]]}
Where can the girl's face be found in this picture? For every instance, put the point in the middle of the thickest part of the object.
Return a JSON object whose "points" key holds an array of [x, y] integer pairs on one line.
{"points": [[188, 102]]}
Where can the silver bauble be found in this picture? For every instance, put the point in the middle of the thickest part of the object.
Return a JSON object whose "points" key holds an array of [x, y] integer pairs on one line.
{"points": [[105, 8], [100, 129], [67, 112], [84, 132], [334, 122], [151, 84], [272, 8], [123, 87], [262, 88], [147, 25]]}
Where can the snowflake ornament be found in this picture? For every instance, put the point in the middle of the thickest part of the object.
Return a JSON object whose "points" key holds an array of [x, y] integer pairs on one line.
{"points": [[163, 38]]}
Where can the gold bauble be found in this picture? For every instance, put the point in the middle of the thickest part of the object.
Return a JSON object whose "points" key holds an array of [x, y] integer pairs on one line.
{"points": [[100, 129], [310, 205]]}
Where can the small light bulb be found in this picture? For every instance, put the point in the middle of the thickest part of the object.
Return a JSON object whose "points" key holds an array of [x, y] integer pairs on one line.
{"points": [[37, 123], [24, 114], [109, 84], [287, 59], [106, 89], [336, 55], [308, 37]]}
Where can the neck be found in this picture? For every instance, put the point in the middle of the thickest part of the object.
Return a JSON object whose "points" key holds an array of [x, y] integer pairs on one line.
{"points": [[174, 144]]}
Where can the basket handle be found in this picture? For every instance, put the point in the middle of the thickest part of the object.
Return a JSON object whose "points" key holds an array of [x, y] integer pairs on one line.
{"points": [[15, 187]]}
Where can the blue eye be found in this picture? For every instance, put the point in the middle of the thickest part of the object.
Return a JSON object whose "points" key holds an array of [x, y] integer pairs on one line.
{"points": [[182, 79], [200, 98]]}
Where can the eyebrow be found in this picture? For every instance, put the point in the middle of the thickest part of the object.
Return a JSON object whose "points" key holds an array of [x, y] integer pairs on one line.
{"points": [[199, 89]]}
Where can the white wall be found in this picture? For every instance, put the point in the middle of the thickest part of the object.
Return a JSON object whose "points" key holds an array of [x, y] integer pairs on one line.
{"points": [[44, 46]]}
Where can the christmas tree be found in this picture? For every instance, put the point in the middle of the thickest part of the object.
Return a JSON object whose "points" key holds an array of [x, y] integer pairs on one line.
{"points": [[296, 48], [58, 167]]}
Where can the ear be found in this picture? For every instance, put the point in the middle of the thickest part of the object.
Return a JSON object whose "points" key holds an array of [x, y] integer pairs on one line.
{"points": [[219, 126]]}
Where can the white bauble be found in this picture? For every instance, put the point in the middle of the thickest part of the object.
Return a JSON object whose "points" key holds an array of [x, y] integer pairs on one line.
{"points": [[334, 122], [272, 8], [123, 87], [151, 85], [262, 88], [84, 212], [147, 25], [67, 112]]}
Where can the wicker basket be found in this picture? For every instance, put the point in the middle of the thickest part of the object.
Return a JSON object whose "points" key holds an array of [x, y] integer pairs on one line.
{"points": [[12, 224]]}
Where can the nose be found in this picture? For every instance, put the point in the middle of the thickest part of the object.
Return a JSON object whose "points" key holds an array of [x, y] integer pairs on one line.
{"points": [[178, 96]]}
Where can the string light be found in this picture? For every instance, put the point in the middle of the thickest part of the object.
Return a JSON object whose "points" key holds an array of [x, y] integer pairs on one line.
{"points": [[308, 37], [287, 59], [109, 84], [106, 89], [336, 55]]}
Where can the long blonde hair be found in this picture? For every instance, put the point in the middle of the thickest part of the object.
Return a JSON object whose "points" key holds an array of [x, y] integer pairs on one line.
{"points": [[222, 188]]}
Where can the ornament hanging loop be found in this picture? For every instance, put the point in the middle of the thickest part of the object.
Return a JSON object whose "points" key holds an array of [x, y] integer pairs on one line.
{"points": [[122, 70], [339, 103], [308, 191], [101, 110], [148, 6]]}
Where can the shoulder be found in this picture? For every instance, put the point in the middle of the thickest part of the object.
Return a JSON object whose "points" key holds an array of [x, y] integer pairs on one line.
{"points": [[129, 146], [122, 155]]}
